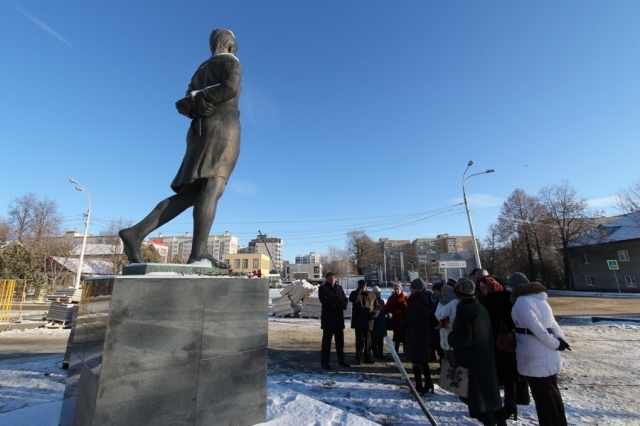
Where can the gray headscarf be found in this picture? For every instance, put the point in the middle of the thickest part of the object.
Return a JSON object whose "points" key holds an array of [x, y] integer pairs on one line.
{"points": [[452, 294]]}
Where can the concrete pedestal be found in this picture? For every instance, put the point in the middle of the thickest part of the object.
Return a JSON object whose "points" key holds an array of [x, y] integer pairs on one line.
{"points": [[169, 351]]}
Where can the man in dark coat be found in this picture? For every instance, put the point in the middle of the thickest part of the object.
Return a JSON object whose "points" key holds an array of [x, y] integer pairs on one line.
{"points": [[213, 146], [364, 311], [334, 302], [472, 340]]}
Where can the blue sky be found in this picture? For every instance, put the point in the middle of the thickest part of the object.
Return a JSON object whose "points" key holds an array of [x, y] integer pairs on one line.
{"points": [[355, 114]]}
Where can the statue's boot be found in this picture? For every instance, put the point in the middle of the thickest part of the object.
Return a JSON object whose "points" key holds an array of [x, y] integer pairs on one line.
{"points": [[214, 262], [131, 245]]}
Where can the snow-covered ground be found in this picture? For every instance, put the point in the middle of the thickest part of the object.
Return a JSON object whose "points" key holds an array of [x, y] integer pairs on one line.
{"points": [[599, 384]]}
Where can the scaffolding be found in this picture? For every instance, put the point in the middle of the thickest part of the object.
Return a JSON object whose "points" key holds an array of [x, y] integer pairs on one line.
{"points": [[7, 292]]}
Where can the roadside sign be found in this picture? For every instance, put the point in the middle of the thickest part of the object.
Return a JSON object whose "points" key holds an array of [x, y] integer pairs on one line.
{"points": [[452, 264], [613, 265], [442, 270]]}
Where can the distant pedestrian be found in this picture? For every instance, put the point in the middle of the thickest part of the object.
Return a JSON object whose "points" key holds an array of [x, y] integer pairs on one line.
{"points": [[379, 326], [397, 307], [364, 312], [418, 335], [539, 338], [334, 302]]}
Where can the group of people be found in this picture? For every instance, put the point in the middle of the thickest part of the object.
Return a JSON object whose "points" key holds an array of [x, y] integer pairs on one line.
{"points": [[460, 321]]}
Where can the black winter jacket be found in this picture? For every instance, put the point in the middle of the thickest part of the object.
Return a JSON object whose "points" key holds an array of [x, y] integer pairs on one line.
{"points": [[365, 309], [417, 325], [334, 302]]}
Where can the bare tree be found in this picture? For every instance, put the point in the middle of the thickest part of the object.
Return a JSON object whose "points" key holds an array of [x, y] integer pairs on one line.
{"points": [[519, 216], [5, 231], [628, 199], [44, 251], [569, 216], [361, 250], [36, 223], [116, 255], [337, 261], [21, 215], [491, 254], [45, 220]]}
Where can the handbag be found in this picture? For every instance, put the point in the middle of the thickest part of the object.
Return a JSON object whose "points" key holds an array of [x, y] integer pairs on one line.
{"points": [[388, 321], [506, 339], [454, 379]]}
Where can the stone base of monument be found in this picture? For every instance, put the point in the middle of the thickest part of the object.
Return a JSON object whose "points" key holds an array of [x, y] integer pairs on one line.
{"points": [[177, 268], [169, 351]]}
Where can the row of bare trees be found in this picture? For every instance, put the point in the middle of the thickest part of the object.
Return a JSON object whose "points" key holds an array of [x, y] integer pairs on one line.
{"points": [[33, 223], [533, 233], [34, 226], [360, 253]]}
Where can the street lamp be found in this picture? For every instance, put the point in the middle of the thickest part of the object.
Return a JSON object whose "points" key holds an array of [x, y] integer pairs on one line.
{"points": [[466, 206], [86, 228]]}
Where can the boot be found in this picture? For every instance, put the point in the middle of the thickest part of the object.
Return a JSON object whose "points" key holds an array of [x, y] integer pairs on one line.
{"points": [[491, 418], [428, 384], [522, 392], [510, 410], [417, 375]]}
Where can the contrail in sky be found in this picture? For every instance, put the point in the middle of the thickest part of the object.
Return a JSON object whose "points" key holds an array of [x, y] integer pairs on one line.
{"points": [[41, 24]]}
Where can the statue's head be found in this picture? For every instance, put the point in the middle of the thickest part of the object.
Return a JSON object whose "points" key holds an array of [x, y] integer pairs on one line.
{"points": [[222, 41]]}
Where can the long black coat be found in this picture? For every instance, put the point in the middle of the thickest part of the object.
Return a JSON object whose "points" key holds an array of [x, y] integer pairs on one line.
{"points": [[499, 306], [334, 302], [365, 309], [417, 343], [472, 340]]}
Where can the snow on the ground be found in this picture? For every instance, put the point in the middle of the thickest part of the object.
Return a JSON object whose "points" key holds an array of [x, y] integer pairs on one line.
{"points": [[599, 385]]}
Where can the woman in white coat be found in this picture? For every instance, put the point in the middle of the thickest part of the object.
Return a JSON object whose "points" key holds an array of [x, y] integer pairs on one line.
{"points": [[445, 314], [539, 338]]}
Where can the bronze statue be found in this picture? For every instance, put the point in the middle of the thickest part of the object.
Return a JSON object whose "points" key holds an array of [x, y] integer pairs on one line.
{"points": [[213, 146]]}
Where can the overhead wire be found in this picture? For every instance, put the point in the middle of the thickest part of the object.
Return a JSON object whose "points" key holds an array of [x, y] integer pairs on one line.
{"points": [[369, 224]]}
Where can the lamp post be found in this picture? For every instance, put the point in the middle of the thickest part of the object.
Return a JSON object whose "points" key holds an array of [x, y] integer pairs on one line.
{"points": [[86, 228], [386, 276], [466, 206]]}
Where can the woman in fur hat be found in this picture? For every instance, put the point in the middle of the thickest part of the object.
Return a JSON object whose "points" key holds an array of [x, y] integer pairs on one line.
{"points": [[539, 338]]}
